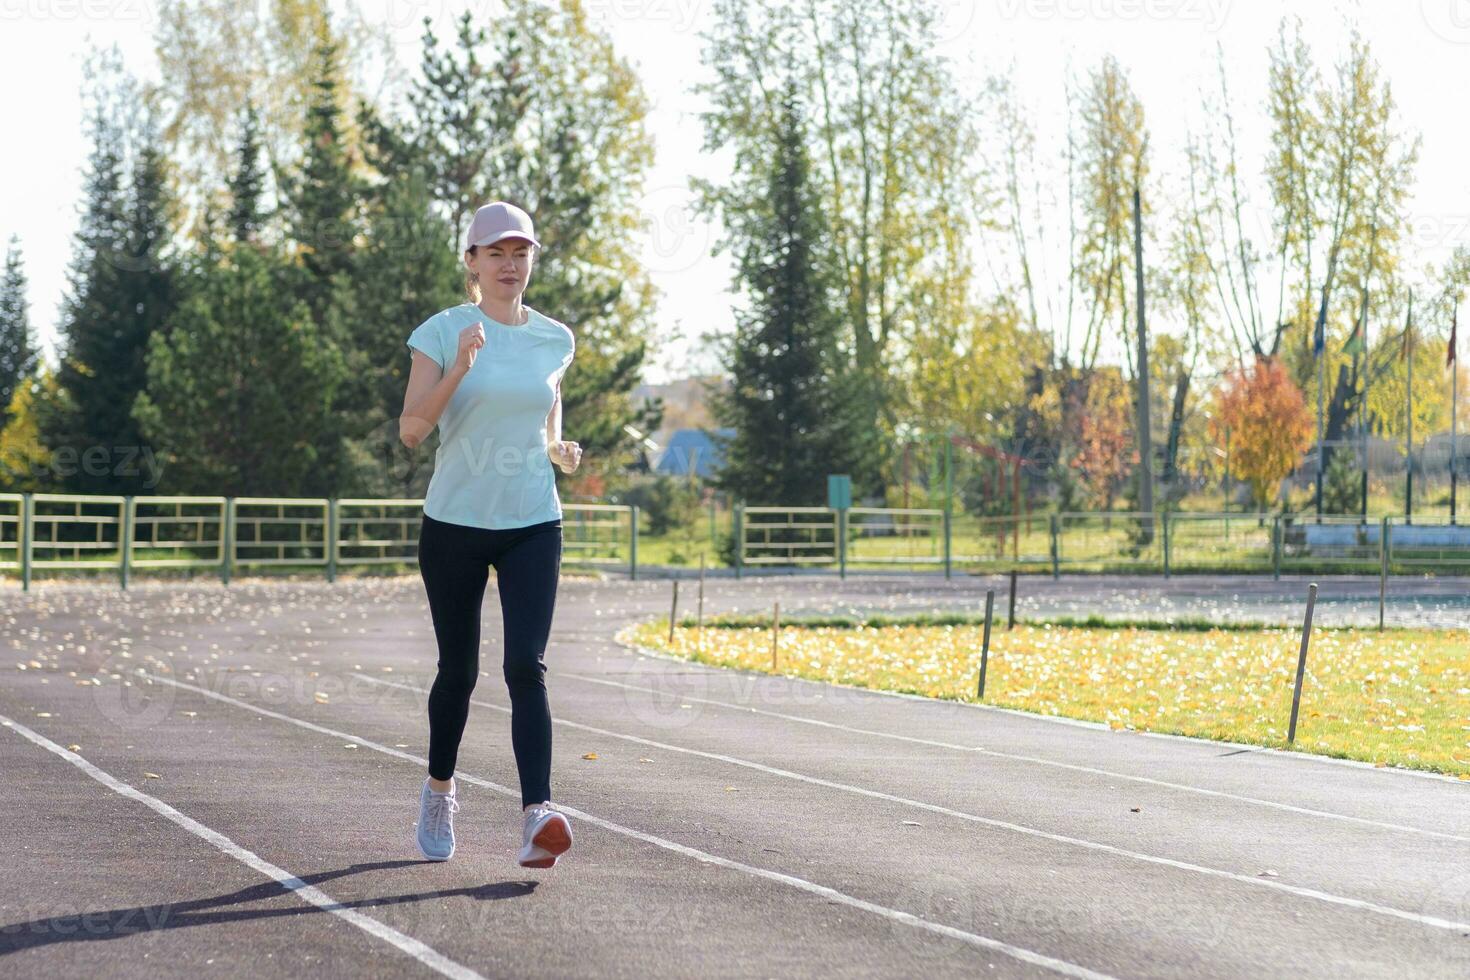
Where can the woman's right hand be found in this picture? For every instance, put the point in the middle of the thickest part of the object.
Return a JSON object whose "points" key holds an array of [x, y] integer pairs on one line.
{"points": [[471, 339]]}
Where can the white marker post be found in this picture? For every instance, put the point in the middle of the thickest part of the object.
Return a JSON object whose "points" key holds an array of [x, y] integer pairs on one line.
{"points": [[1301, 663]]}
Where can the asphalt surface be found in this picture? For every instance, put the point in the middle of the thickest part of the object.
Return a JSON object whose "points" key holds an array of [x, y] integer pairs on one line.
{"points": [[243, 785]]}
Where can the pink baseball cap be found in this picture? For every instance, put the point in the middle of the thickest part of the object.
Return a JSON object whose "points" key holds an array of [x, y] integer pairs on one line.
{"points": [[498, 220]]}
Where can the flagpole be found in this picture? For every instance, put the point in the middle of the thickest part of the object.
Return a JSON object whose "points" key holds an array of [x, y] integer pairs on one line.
{"points": [[1454, 405], [1322, 382], [1363, 402], [1319, 345], [1409, 394], [1363, 408]]}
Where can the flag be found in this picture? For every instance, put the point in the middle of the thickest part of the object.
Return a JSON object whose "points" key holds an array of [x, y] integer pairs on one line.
{"points": [[1449, 357]]}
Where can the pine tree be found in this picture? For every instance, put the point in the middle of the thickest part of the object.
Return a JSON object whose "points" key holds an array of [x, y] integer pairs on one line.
{"points": [[240, 399], [18, 353], [463, 120], [402, 275], [791, 406], [247, 182], [122, 290], [322, 195], [556, 127]]}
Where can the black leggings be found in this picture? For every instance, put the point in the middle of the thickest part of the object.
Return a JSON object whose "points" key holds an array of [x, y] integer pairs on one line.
{"points": [[455, 563]]}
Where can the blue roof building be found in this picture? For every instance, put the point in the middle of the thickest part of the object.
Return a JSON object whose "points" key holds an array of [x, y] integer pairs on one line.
{"points": [[691, 450]]}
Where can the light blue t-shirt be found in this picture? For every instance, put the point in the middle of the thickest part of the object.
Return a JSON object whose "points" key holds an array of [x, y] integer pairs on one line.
{"points": [[491, 469]]}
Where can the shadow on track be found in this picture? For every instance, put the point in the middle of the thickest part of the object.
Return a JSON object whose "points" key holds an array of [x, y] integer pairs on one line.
{"points": [[122, 922]]}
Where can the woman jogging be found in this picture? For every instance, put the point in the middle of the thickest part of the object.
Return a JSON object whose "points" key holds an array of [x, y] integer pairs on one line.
{"points": [[488, 373]]}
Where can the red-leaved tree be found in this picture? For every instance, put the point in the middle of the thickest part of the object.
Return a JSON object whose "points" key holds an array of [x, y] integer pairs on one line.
{"points": [[1269, 424]]}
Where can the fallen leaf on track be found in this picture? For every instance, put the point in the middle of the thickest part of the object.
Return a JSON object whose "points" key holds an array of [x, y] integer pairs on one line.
{"points": [[590, 755]]}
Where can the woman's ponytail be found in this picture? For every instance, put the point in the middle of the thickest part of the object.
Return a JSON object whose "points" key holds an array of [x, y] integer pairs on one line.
{"points": [[471, 279]]}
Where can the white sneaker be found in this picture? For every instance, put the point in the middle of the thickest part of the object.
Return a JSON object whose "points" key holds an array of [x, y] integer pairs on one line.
{"points": [[547, 834], [436, 823]]}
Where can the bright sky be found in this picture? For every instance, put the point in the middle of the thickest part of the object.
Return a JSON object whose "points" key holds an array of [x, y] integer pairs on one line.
{"points": [[1167, 46]]}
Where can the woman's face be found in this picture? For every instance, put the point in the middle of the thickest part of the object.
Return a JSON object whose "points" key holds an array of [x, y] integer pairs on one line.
{"points": [[504, 268]]}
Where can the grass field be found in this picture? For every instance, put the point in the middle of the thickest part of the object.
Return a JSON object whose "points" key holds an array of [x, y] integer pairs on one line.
{"points": [[1400, 697]]}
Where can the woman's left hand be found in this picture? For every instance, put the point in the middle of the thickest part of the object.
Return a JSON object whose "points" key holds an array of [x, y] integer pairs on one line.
{"points": [[565, 454]]}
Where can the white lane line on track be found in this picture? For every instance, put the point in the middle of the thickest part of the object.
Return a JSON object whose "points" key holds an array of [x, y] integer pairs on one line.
{"points": [[1097, 726], [1355, 903], [1183, 787], [310, 894], [1063, 967]]}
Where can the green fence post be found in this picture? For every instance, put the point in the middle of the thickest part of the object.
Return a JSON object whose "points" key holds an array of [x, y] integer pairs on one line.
{"points": [[27, 532], [739, 538], [1056, 547], [1382, 569], [227, 559], [331, 539], [1276, 547], [633, 543], [1388, 547], [1166, 544], [947, 546], [125, 565], [841, 543]]}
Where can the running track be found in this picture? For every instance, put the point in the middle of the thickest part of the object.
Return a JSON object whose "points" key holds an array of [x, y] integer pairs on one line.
{"points": [[246, 781]]}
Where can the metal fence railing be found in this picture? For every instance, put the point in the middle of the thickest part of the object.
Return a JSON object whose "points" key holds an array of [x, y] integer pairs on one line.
{"points": [[46, 532], [786, 536], [1163, 542], [894, 535], [1420, 542]]}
